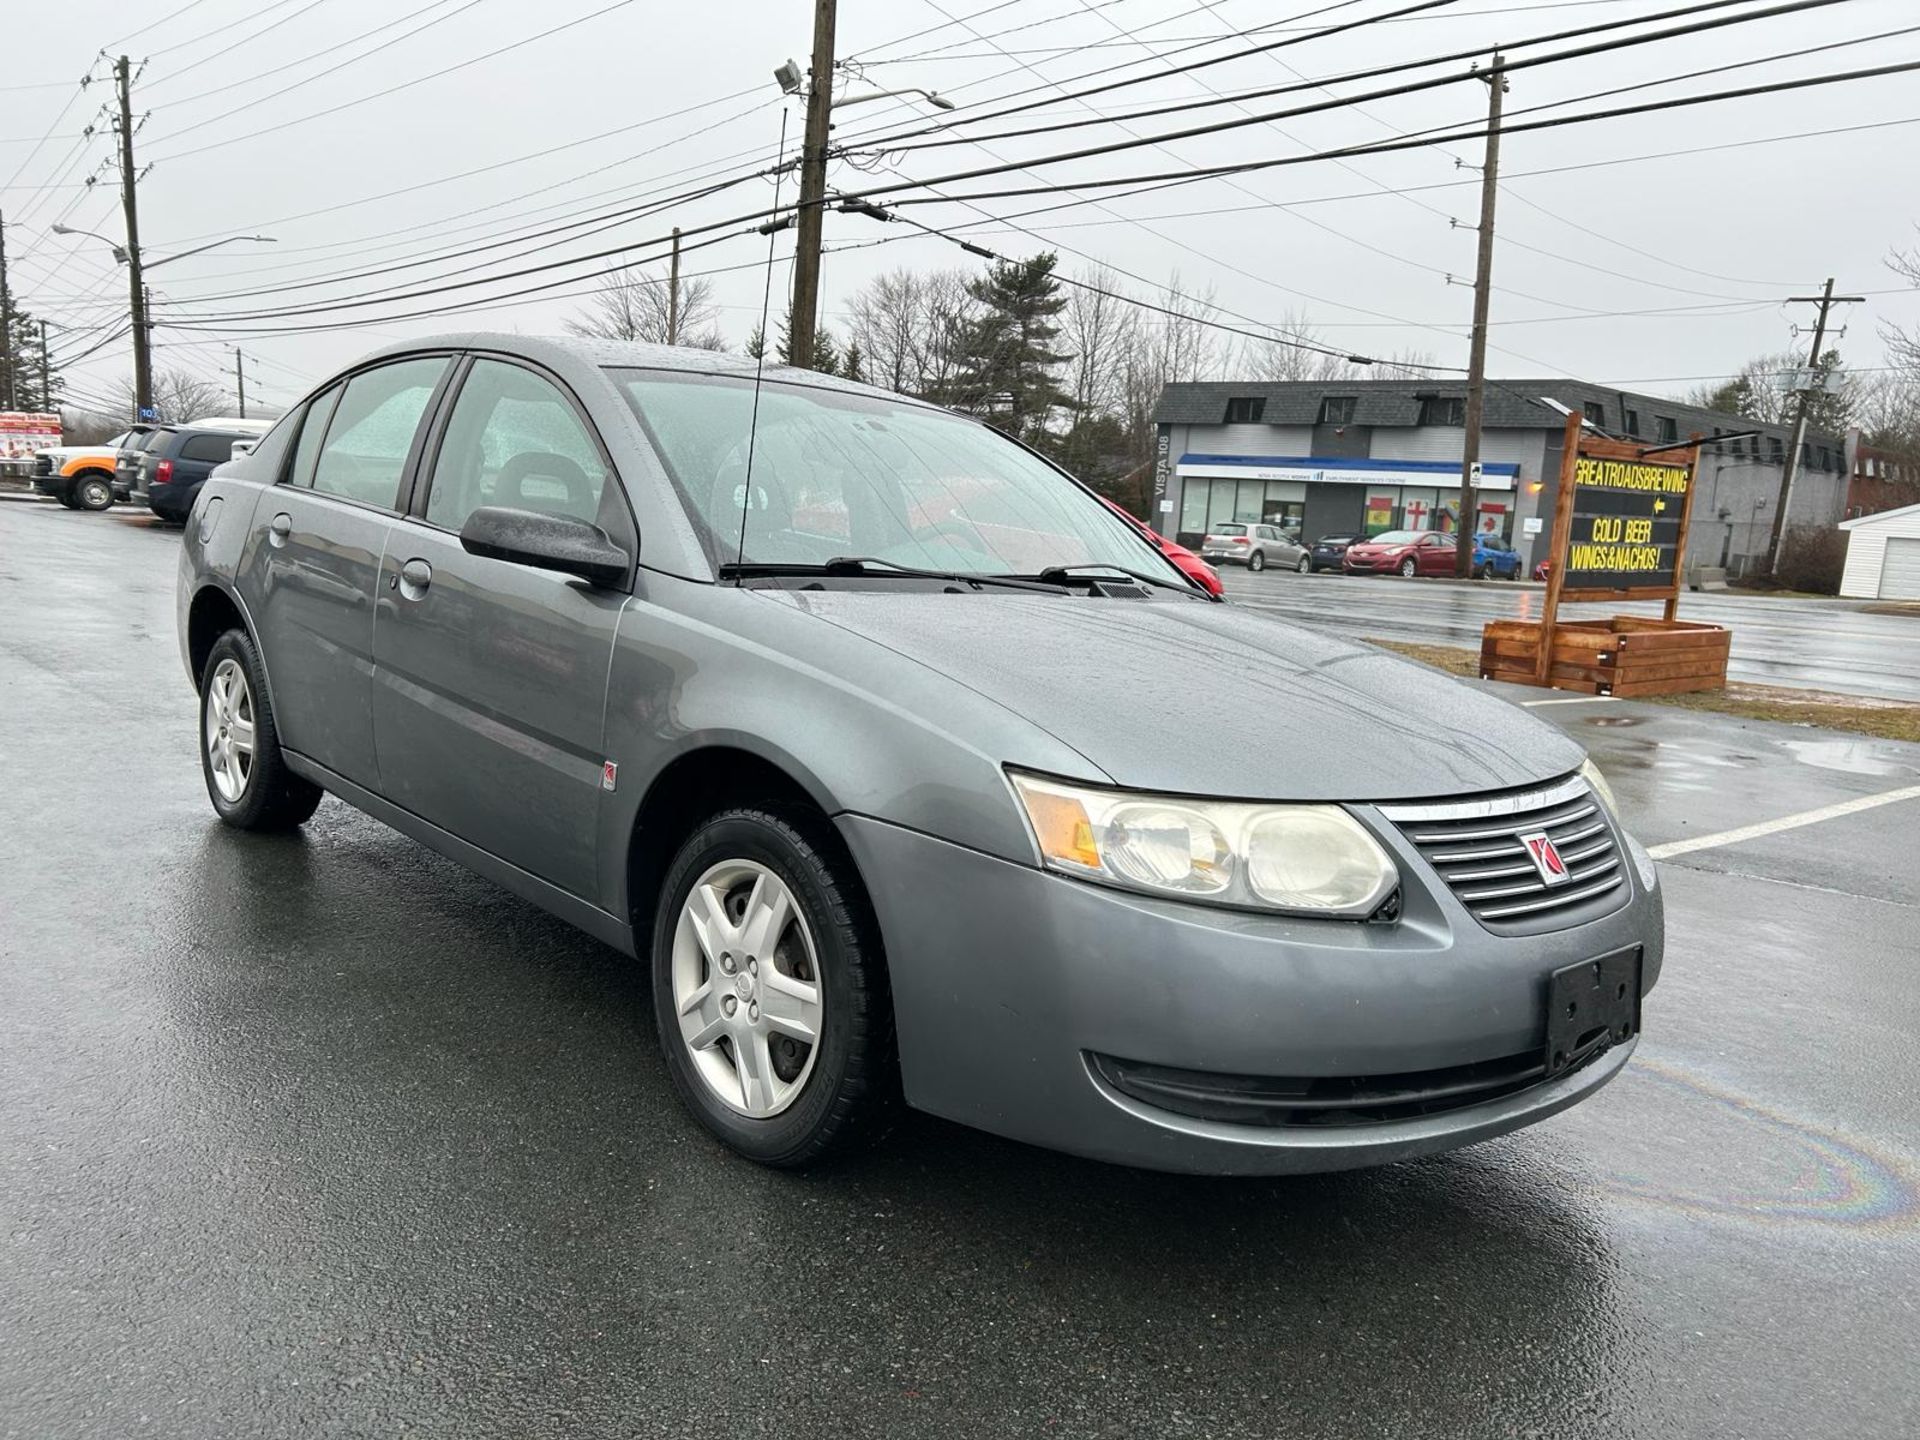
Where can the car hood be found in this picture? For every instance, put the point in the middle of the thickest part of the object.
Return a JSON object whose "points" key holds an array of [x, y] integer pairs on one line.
{"points": [[75, 452], [1205, 699]]}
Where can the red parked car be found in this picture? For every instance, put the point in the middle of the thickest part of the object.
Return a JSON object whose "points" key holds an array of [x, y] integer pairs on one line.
{"points": [[1191, 565], [1401, 552]]}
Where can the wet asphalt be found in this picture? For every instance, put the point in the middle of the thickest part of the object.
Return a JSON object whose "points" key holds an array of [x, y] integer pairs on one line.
{"points": [[1855, 647], [322, 1136]]}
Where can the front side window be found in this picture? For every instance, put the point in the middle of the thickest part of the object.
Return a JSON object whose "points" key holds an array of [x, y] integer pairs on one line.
{"points": [[836, 474], [366, 446], [514, 440]]}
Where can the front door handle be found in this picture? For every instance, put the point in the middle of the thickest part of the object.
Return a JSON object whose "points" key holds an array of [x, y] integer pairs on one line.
{"points": [[415, 576], [278, 529]]}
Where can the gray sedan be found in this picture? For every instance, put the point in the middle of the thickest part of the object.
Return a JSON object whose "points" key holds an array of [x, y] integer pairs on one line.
{"points": [[847, 717]]}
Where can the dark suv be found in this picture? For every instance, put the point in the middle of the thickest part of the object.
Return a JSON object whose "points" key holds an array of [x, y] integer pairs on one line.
{"points": [[176, 463], [126, 462]]}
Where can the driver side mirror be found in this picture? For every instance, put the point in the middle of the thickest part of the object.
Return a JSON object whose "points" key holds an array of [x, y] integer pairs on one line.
{"points": [[545, 542]]}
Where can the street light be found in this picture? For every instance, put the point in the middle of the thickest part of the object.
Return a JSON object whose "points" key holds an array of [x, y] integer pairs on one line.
{"points": [[137, 265], [120, 251], [939, 102]]}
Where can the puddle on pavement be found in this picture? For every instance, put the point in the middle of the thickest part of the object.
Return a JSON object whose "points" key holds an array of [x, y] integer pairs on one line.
{"points": [[1853, 757], [1613, 721], [1693, 1145]]}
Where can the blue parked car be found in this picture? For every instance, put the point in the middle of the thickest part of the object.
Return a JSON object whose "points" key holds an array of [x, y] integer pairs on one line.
{"points": [[1493, 557]]}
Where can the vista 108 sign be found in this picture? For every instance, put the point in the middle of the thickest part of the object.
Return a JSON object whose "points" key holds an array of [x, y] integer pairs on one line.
{"points": [[1626, 524]]}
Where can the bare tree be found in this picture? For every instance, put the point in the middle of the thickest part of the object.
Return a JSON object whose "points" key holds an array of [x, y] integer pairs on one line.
{"points": [[1099, 327], [885, 319], [179, 395], [636, 306]]}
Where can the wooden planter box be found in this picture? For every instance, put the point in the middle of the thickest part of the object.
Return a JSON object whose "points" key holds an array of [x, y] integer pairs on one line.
{"points": [[1623, 656]]}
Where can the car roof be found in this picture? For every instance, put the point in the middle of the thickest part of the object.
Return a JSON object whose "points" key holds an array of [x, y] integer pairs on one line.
{"points": [[565, 352]]}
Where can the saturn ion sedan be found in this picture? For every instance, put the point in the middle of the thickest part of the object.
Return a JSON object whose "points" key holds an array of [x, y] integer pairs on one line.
{"points": [[847, 718]]}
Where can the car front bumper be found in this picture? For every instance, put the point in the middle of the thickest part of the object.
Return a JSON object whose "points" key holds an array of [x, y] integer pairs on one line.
{"points": [[1008, 981]]}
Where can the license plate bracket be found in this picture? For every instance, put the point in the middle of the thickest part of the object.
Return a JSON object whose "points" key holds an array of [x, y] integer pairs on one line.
{"points": [[1591, 1006]]}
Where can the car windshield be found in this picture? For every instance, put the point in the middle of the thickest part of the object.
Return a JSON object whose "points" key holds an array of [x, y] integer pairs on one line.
{"points": [[1399, 537], [836, 474], [1229, 529]]}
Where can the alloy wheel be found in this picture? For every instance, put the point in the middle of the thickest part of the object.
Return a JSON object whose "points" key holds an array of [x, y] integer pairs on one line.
{"points": [[747, 988], [229, 730], [1407, 568]]}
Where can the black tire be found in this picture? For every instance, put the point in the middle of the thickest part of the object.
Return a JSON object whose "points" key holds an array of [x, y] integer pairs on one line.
{"points": [[851, 1093], [92, 492], [1408, 569], [66, 496], [1257, 560], [1484, 572], [272, 797], [1305, 567]]}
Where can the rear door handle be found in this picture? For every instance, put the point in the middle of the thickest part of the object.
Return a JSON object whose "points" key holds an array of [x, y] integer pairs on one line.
{"points": [[414, 578]]}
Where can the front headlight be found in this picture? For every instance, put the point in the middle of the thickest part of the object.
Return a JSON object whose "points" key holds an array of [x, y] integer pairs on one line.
{"points": [[1597, 783], [1301, 859]]}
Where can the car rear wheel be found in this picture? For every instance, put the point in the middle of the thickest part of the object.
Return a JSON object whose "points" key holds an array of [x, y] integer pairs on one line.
{"points": [[1408, 568], [247, 777], [1305, 567], [92, 492], [770, 991], [1257, 560]]}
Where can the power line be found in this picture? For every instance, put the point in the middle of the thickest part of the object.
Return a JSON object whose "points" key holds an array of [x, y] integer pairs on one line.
{"points": [[254, 134], [254, 75]]}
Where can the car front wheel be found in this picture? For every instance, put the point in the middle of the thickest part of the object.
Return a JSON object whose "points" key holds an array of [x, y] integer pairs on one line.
{"points": [[1408, 569], [770, 991], [92, 492], [247, 777]]}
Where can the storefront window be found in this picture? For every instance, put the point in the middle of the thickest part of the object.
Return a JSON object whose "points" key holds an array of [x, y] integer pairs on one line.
{"points": [[1193, 506]]}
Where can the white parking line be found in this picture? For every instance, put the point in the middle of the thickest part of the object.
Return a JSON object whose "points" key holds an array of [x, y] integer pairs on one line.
{"points": [[1571, 700], [1785, 822]]}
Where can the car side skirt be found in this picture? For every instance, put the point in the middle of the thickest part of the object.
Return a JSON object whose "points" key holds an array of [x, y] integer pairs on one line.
{"points": [[551, 898]]}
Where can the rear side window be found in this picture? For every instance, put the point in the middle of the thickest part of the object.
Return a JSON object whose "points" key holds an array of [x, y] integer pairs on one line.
{"points": [[366, 445], [214, 448]]}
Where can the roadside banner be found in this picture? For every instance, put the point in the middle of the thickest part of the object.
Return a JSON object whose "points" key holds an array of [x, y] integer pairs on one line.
{"points": [[24, 431]]}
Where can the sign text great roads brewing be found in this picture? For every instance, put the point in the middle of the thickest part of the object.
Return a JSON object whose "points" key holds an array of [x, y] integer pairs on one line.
{"points": [[1626, 524]]}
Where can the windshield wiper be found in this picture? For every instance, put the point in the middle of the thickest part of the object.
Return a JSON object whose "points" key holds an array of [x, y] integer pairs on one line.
{"points": [[871, 566], [1066, 574]]}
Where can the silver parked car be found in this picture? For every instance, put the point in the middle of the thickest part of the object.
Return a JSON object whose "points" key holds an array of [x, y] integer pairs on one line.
{"points": [[1255, 546], [847, 716]]}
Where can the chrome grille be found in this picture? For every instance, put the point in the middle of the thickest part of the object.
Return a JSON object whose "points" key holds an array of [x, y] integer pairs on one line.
{"points": [[43, 465], [1475, 846]]}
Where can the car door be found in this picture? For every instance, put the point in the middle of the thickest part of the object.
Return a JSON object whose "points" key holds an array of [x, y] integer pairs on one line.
{"points": [[1436, 555], [314, 558], [490, 677]]}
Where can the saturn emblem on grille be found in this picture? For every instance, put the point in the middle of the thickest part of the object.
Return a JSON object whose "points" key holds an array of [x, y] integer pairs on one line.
{"points": [[1546, 859]]}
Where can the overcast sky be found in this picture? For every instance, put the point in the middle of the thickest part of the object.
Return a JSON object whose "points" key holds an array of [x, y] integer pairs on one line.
{"points": [[1643, 272]]}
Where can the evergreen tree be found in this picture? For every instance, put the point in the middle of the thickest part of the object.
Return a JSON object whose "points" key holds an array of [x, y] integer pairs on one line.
{"points": [[826, 355], [853, 364], [1009, 368], [20, 366]]}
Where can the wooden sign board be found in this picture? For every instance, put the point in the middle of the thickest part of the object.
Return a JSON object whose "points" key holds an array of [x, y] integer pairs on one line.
{"points": [[1619, 533]]}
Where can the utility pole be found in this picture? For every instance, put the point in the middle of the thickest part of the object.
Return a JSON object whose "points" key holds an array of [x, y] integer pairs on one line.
{"points": [[6, 319], [673, 292], [1826, 300], [240, 380], [46, 372], [813, 190], [1496, 78], [136, 288]]}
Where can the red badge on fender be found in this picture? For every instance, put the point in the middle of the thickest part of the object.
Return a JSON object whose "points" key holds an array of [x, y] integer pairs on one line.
{"points": [[1546, 859], [608, 772]]}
